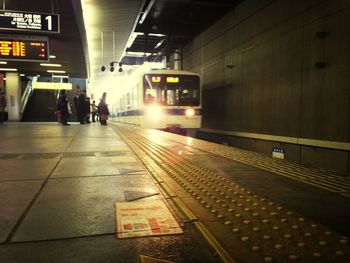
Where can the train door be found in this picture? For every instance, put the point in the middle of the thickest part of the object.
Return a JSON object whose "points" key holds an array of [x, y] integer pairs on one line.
{"points": [[172, 96]]}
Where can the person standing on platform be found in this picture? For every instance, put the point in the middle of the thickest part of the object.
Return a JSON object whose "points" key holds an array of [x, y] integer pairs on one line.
{"points": [[62, 106], [79, 103], [103, 110], [82, 105], [87, 109], [75, 101], [93, 111], [3, 105]]}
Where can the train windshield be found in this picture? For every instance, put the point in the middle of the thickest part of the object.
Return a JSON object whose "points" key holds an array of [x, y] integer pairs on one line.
{"points": [[171, 90]]}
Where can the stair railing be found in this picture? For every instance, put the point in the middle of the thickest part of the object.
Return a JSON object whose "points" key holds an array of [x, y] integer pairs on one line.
{"points": [[26, 95]]}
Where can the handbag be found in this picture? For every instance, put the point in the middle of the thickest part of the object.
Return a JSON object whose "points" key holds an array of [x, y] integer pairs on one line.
{"points": [[104, 117]]}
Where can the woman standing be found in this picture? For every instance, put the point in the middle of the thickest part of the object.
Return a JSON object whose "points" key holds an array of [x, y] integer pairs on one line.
{"points": [[103, 110], [62, 106]]}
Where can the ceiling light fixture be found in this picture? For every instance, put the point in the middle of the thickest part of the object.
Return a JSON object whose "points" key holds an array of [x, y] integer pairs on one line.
{"points": [[52, 56], [156, 35], [3, 62], [22, 75], [159, 43], [8, 69], [50, 65], [137, 54], [60, 76], [146, 12], [56, 71], [132, 38]]}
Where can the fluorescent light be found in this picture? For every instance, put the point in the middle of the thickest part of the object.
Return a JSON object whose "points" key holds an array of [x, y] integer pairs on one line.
{"points": [[137, 54], [50, 65], [60, 76], [3, 62], [56, 71], [156, 35], [4, 78], [159, 43], [52, 56], [132, 38], [143, 17], [22, 75], [8, 69]]}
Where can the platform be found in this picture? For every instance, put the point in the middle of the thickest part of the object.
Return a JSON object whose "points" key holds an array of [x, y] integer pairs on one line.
{"points": [[59, 185]]}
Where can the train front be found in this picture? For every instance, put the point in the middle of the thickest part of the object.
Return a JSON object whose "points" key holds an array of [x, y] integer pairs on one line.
{"points": [[172, 102]]}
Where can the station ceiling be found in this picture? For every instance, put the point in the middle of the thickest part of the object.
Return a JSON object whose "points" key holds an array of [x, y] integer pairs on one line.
{"points": [[141, 30]]}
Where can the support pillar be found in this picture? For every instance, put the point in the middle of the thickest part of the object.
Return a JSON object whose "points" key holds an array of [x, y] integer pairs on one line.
{"points": [[13, 95]]}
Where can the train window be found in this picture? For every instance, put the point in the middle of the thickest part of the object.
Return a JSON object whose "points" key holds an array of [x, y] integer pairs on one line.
{"points": [[172, 96], [190, 95], [162, 98], [128, 98], [184, 92], [151, 95]]}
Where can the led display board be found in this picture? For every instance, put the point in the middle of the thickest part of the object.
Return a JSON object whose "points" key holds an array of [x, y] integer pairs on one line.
{"points": [[156, 79], [172, 79], [24, 48], [28, 21]]}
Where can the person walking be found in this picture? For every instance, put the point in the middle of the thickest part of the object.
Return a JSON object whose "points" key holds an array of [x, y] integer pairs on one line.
{"points": [[103, 110], [3, 105], [62, 106]]}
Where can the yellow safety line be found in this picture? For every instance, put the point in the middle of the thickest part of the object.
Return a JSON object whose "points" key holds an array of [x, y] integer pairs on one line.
{"points": [[226, 258]]}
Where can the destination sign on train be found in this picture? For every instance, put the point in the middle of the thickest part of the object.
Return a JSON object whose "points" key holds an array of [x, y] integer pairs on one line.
{"points": [[24, 49], [28, 21]]}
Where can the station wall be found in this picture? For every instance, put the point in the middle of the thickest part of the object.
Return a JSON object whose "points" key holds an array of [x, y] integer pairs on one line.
{"points": [[279, 67]]}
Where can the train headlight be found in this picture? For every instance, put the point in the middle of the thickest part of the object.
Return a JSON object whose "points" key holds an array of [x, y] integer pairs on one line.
{"points": [[154, 112], [190, 112]]}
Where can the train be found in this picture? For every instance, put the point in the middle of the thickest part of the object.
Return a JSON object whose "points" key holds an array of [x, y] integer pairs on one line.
{"points": [[169, 100]]}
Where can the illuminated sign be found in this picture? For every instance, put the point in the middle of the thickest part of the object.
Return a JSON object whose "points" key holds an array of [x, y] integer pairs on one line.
{"points": [[52, 86], [172, 79], [28, 21], [156, 79], [24, 48]]}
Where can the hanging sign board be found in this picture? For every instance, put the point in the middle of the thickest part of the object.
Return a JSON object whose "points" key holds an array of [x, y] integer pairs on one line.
{"points": [[24, 48], [28, 21], [52, 86]]}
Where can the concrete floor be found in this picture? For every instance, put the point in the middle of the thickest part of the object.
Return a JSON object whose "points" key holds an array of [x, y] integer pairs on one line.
{"points": [[58, 186]]}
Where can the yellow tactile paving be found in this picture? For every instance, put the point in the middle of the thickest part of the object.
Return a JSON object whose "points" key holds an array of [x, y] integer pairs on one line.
{"points": [[321, 178], [269, 231]]}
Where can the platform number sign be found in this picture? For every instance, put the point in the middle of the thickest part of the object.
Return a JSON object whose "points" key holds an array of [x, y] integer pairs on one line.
{"points": [[28, 21]]}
